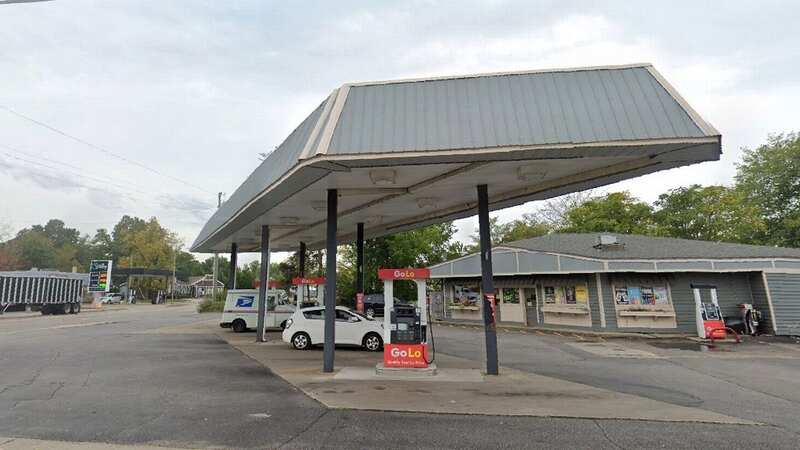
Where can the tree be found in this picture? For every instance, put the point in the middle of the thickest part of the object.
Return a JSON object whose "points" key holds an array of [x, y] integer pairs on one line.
{"points": [[617, 212], [34, 249], [711, 213], [529, 226], [769, 178], [554, 211], [418, 248]]}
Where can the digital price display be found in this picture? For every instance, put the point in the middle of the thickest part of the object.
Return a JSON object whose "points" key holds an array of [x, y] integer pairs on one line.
{"points": [[99, 274]]}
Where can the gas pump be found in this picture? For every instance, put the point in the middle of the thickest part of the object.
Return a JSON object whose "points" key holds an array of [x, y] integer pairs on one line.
{"points": [[303, 287], [405, 327], [710, 322]]}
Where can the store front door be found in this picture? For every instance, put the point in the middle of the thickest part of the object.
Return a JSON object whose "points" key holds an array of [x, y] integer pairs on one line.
{"points": [[511, 307], [529, 299]]}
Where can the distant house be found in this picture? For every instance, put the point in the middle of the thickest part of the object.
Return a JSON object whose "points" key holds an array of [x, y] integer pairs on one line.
{"points": [[201, 286]]}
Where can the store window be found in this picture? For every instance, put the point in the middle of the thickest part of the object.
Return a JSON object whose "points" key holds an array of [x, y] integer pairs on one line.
{"points": [[465, 295], [511, 296], [575, 294], [641, 295]]}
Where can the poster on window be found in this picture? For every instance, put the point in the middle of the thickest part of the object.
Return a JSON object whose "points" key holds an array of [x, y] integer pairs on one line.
{"points": [[634, 296], [561, 297], [660, 294], [621, 296], [549, 294], [569, 295], [648, 297], [581, 294]]}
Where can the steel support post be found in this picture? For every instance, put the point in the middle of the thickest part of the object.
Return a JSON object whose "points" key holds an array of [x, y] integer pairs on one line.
{"points": [[301, 260], [330, 281], [232, 272], [262, 288], [360, 258], [487, 281]]}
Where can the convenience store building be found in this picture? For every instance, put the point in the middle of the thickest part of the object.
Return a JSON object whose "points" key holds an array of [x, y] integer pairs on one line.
{"points": [[616, 282]]}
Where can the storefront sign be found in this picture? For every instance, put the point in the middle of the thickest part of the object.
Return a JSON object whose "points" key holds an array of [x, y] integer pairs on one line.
{"points": [[404, 356], [314, 281], [404, 274]]}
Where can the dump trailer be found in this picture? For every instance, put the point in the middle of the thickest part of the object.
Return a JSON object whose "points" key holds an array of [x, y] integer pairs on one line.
{"points": [[53, 292]]}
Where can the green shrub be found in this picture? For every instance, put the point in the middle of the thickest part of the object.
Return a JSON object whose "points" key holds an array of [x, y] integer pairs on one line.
{"points": [[214, 303]]}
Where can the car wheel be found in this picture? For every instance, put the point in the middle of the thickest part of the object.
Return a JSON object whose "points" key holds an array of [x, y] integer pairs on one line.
{"points": [[239, 326], [301, 341], [370, 312], [373, 342]]}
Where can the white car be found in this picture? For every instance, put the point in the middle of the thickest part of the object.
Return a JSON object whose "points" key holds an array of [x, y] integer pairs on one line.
{"points": [[111, 299], [306, 327]]}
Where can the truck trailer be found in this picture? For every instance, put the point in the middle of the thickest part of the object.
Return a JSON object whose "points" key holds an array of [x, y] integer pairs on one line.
{"points": [[53, 292]]}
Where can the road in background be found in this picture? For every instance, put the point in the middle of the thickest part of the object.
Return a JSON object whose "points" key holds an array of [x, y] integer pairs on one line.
{"points": [[106, 377]]}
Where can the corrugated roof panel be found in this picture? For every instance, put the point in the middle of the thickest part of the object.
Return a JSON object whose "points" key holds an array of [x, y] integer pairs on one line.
{"points": [[509, 109]]}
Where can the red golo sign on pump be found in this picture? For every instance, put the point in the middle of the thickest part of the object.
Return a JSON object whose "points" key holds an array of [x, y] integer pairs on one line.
{"points": [[404, 356]]}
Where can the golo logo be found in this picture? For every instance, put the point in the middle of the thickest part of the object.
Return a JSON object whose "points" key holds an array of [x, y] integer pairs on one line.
{"points": [[396, 352], [404, 274]]}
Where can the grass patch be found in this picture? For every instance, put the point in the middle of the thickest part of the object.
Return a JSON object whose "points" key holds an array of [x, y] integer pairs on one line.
{"points": [[213, 303]]}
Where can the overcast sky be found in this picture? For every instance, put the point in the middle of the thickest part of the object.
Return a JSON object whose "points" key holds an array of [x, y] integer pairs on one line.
{"points": [[187, 93]]}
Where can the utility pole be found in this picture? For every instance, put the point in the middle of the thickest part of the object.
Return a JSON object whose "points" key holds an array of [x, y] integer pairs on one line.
{"points": [[216, 256], [174, 269]]}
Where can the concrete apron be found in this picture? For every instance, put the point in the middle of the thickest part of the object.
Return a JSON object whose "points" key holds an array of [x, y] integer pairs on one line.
{"points": [[459, 389]]}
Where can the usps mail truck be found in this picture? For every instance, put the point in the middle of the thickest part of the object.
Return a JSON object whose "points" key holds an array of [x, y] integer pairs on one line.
{"points": [[241, 309]]}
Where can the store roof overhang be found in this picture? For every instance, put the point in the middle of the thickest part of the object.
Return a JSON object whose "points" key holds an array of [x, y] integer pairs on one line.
{"points": [[409, 153]]}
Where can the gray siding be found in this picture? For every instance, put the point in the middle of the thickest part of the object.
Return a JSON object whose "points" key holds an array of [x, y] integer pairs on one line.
{"points": [[742, 265], [784, 289], [787, 264], [732, 289], [608, 301], [504, 262], [470, 265], [685, 265], [594, 305], [760, 301], [632, 265], [512, 109], [579, 265], [537, 262]]}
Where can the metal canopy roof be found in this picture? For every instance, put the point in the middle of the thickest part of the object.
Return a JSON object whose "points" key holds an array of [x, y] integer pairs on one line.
{"points": [[409, 153]]}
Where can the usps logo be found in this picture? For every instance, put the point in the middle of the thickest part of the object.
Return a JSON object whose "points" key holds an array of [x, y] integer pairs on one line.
{"points": [[245, 302]]}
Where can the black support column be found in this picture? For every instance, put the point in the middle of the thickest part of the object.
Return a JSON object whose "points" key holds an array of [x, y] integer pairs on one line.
{"points": [[301, 260], [360, 258], [262, 288], [487, 281], [330, 281], [232, 273]]}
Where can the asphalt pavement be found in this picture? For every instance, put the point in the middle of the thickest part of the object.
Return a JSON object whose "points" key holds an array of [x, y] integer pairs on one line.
{"points": [[103, 377]]}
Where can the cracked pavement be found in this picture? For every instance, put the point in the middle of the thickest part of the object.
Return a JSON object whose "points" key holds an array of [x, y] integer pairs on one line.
{"points": [[114, 383]]}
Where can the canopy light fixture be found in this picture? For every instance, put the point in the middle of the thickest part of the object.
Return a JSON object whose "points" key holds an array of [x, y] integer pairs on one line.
{"points": [[289, 220], [427, 202], [319, 205], [531, 172], [382, 177]]}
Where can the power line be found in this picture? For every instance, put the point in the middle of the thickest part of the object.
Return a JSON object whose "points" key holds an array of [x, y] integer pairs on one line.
{"points": [[101, 149]]}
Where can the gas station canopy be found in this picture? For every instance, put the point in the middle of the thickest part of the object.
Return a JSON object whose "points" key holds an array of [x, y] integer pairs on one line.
{"points": [[408, 153]]}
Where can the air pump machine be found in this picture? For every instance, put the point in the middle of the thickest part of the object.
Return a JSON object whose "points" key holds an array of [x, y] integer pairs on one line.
{"points": [[405, 327]]}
